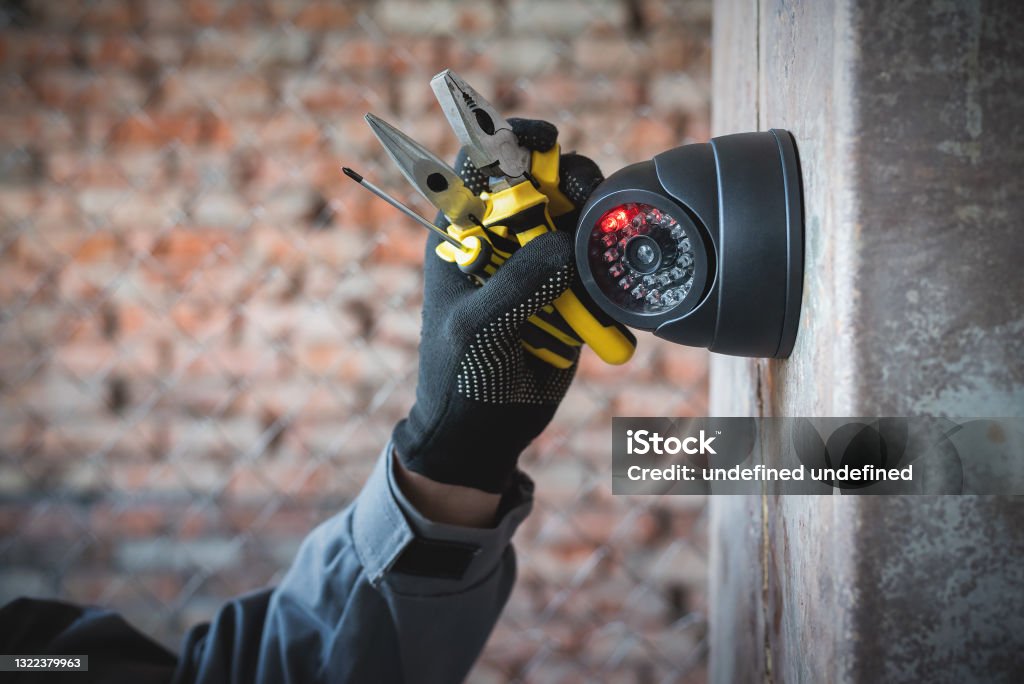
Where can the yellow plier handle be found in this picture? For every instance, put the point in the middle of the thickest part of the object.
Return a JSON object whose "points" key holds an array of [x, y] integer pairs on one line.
{"points": [[520, 213], [546, 335]]}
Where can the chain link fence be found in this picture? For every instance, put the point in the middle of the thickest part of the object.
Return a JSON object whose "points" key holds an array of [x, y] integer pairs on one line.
{"points": [[207, 333]]}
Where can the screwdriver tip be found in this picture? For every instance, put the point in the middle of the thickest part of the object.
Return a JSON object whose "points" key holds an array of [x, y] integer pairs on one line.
{"points": [[352, 174]]}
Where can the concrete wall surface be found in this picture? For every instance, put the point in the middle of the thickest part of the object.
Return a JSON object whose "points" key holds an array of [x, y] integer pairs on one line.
{"points": [[907, 118]]}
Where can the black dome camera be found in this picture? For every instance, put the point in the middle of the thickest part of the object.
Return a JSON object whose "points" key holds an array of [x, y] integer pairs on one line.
{"points": [[702, 245]]}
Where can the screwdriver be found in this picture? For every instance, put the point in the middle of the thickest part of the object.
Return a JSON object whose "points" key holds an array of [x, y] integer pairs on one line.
{"points": [[472, 255], [358, 178]]}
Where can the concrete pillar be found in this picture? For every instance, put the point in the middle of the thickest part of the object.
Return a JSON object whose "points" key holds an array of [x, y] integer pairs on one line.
{"points": [[909, 120]]}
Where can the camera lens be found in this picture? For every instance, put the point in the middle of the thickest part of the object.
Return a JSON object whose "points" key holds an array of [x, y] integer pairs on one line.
{"points": [[642, 258], [643, 254]]}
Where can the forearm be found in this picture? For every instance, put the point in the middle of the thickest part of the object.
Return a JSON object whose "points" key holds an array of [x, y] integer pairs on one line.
{"points": [[353, 608], [446, 503]]}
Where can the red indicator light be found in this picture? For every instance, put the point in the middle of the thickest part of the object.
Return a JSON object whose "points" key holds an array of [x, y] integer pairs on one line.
{"points": [[615, 219]]}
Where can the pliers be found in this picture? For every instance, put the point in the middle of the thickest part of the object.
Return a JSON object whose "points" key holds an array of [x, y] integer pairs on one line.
{"points": [[520, 193]]}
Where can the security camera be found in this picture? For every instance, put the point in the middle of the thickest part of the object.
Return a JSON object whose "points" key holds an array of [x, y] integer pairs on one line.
{"points": [[702, 245]]}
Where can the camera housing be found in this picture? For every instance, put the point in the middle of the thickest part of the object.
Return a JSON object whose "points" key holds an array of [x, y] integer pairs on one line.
{"points": [[702, 245]]}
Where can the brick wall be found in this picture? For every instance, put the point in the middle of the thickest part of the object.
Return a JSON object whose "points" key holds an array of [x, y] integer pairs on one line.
{"points": [[207, 332]]}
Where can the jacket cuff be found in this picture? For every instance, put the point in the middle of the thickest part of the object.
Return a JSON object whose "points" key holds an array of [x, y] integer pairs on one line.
{"points": [[385, 524]]}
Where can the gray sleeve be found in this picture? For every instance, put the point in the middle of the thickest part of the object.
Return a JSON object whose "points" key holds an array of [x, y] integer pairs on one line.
{"points": [[343, 613]]}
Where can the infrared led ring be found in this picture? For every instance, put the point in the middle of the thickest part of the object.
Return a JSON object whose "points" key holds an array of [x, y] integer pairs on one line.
{"points": [[643, 257]]}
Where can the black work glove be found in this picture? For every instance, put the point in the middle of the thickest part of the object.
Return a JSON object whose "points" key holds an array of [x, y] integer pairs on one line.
{"points": [[480, 397]]}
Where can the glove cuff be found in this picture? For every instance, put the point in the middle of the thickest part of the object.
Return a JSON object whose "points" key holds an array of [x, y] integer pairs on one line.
{"points": [[477, 453]]}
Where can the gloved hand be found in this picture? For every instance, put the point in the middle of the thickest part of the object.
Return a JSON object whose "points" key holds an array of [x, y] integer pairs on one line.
{"points": [[480, 398]]}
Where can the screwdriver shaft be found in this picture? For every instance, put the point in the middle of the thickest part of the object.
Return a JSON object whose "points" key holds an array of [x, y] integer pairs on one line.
{"points": [[401, 207]]}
